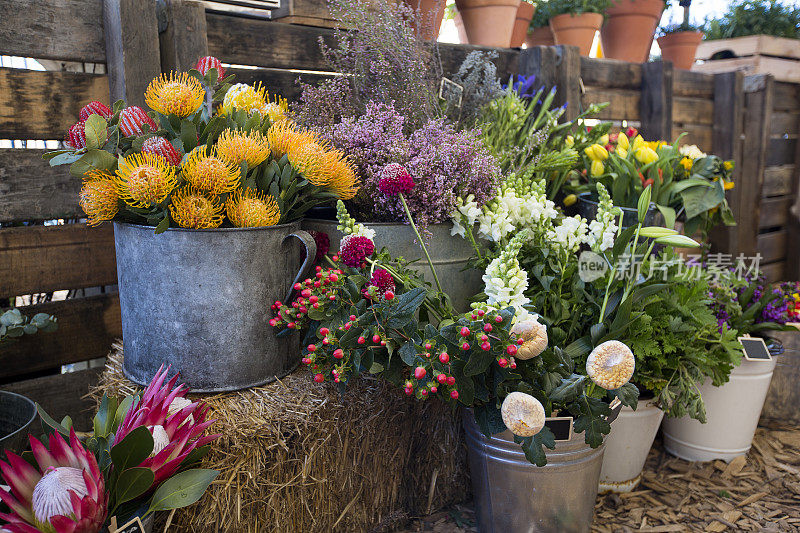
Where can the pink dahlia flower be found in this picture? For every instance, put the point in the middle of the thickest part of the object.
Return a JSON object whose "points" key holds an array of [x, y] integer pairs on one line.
{"points": [[381, 280], [66, 494], [395, 179]]}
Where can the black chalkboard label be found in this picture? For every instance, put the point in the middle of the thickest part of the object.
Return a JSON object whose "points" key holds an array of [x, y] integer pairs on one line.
{"points": [[133, 526], [451, 92], [755, 349], [561, 426]]}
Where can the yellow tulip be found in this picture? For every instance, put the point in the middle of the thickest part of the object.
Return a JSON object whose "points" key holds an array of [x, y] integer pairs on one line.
{"points": [[687, 163], [596, 152], [622, 142], [622, 152], [570, 199], [598, 169], [638, 142], [603, 140], [569, 141], [646, 155]]}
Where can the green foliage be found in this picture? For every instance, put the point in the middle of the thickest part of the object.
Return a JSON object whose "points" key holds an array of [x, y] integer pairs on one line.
{"points": [[576, 7], [13, 325], [756, 17], [182, 489]]}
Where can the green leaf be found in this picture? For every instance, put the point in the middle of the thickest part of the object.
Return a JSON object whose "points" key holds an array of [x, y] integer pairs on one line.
{"points": [[50, 421], [697, 200], [188, 136], [104, 419], [182, 489], [644, 202], [628, 394], [133, 449], [408, 353], [570, 388], [133, 482], [65, 158], [96, 129], [534, 446], [409, 302], [91, 160], [162, 226]]}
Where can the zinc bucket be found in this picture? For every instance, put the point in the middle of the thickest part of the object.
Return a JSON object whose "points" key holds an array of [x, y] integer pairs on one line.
{"points": [[199, 301]]}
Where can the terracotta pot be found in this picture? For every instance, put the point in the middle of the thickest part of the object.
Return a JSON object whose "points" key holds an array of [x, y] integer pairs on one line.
{"points": [[576, 30], [524, 15], [540, 37], [680, 48], [488, 22], [629, 28], [462, 34], [430, 14]]}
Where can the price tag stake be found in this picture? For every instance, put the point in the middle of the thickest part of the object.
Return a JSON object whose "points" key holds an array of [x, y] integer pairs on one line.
{"points": [[561, 426], [755, 349]]}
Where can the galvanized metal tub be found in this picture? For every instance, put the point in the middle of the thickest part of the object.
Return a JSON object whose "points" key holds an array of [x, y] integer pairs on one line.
{"points": [[199, 301], [514, 496], [587, 208], [17, 413], [449, 254], [783, 398]]}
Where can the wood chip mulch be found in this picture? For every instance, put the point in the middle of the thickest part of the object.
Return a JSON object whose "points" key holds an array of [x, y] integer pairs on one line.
{"points": [[757, 492]]}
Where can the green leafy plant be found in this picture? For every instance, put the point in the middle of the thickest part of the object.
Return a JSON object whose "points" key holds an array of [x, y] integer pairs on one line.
{"points": [[541, 17], [576, 7], [13, 325], [755, 17]]}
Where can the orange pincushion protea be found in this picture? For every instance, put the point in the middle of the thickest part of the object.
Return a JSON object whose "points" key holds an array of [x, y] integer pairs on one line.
{"points": [[280, 136], [308, 156], [145, 179], [342, 178], [175, 94], [237, 146], [250, 209], [207, 172], [190, 208], [98, 197]]}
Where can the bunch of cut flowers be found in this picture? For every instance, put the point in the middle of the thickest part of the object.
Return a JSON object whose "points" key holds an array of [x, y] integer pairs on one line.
{"points": [[208, 154]]}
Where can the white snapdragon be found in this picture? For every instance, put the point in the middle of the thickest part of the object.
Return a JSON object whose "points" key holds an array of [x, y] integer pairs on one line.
{"points": [[464, 215], [570, 234], [603, 229], [505, 282], [692, 151]]}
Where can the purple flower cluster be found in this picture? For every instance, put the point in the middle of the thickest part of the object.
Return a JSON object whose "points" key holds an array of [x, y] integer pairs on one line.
{"points": [[444, 163]]}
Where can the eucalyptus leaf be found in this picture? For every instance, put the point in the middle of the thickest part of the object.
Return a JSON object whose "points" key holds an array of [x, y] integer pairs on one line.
{"points": [[182, 489]]}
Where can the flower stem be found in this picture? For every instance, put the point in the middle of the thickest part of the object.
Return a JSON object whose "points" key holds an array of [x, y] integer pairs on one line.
{"points": [[421, 242]]}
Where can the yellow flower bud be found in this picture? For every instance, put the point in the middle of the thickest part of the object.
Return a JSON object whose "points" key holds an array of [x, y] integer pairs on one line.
{"points": [[598, 169], [687, 163], [638, 142], [646, 155], [728, 185], [569, 141], [622, 141], [597, 152], [570, 199], [728, 165], [622, 152], [603, 140]]}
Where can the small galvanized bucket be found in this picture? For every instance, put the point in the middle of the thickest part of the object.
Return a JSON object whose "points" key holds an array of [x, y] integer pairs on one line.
{"points": [[17, 413], [514, 496], [199, 300]]}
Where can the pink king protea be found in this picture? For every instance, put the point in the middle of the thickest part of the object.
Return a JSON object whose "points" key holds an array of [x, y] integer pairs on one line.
{"points": [[175, 423], [65, 495]]}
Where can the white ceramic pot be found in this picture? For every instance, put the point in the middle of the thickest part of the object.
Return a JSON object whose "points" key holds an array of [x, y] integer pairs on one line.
{"points": [[732, 411], [627, 446]]}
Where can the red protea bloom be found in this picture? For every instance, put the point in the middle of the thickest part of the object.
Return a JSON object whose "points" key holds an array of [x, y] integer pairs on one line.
{"points": [[395, 179], [323, 244], [175, 433], [353, 249], [161, 146], [66, 494], [204, 64], [131, 120], [96, 108], [76, 137]]}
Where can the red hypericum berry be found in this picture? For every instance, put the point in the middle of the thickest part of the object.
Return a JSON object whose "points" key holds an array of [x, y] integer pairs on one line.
{"points": [[324, 331], [76, 136], [409, 391], [335, 258], [303, 310], [204, 64], [520, 341], [347, 326], [419, 372], [313, 299], [454, 394], [424, 392], [473, 316], [132, 120], [315, 305], [353, 318], [503, 362], [484, 338], [485, 346], [161, 146], [334, 277], [428, 346], [306, 293], [95, 108], [325, 341], [338, 353], [383, 343], [273, 322], [513, 364], [306, 361], [332, 297], [487, 328], [444, 358], [317, 268], [465, 346], [498, 319], [319, 276], [312, 348], [441, 378], [511, 350], [389, 295], [481, 312], [319, 378], [451, 380], [434, 390], [362, 340], [465, 331], [376, 338]]}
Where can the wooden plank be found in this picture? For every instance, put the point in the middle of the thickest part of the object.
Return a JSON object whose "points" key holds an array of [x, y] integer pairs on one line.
{"points": [[751, 45], [787, 97], [317, 9], [778, 180], [132, 48], [624, 104], [86, 329], [452, 55], [30, 189], [702, 136], [556, 66], [282, 82], [784, 123], [781, 151], [61, 395], [772, 246], [692, 84], [56, 29], [782, 69], [657, 102], [693, 110], [611, 73], [774, 271], [50, 258], [184, 40], [43, 105], [775, 211]]}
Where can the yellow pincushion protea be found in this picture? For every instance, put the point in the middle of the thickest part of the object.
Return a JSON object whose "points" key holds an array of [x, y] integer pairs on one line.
{"points": [[237, 146], [191, 208], [207, 172], [281, 135], [341, 178], [247, 208], [98, 197], [175, 94], [277, 110], [145, 179], [308, 156], [254, 99]]}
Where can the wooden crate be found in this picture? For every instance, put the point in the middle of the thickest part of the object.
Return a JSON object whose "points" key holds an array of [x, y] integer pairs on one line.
{"points": [[305, 12], [754, 54]]}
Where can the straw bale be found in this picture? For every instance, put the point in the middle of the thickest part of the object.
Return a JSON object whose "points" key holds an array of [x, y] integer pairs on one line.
{"points": [[296, 456]]}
